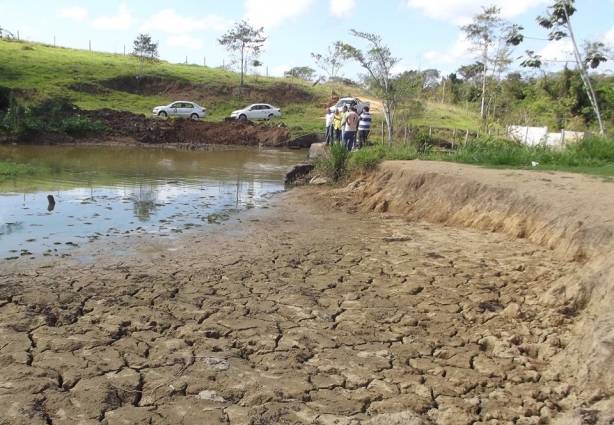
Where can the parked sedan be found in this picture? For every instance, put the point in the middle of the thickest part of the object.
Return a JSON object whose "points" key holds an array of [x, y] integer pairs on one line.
{"points": [[257, 111], [182, 108]]}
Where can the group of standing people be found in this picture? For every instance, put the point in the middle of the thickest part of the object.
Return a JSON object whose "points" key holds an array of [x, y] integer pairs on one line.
{"points": [[347, 126]]}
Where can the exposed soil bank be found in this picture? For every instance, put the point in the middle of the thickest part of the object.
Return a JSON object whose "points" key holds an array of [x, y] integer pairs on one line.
{"points": [[404, 298], [129, 128]]}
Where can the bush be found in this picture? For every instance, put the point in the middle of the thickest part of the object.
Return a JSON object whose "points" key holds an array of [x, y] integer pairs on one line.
{"points": [[81, 125], [335, 164], [55, 114]]}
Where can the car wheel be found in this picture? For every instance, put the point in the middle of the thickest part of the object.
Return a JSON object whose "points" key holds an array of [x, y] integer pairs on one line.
{"points": [[162, 114], [194, 116], [271, 116], [242, 117]]}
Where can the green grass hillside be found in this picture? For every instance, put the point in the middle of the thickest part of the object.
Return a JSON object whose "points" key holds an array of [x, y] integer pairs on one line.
{"points": [[95, 80]]}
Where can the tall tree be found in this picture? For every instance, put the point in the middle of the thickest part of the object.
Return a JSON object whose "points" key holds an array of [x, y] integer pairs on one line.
{"points": [[379, 80], [145, 50], [491, 37], [244, 41], [557, 21], [332, 61]]}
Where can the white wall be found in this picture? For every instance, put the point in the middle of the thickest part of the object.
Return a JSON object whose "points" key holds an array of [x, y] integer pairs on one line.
{"points": [[532, 136]]}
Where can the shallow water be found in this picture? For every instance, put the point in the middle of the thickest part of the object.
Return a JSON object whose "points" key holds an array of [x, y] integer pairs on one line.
{"points": [[104, 191]]}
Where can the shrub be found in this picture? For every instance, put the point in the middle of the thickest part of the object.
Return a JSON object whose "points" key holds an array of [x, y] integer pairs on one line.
{"points": [[335, 164], [79, 124], [55, 114]]}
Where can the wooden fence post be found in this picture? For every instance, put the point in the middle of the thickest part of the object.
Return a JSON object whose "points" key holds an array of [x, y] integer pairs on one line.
{"points": [[467, 136], [405, 137], [382, 133]]}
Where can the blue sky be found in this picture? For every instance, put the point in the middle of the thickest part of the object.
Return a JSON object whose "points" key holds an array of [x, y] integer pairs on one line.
{"points": [[423, 33]]}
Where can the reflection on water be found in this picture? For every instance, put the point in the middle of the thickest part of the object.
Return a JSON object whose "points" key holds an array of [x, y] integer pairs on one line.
{"points": [[96, 192], [144, 203]]}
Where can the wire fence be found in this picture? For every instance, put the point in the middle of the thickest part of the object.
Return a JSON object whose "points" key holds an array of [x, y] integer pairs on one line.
{"points": [[126, 50], [443, 137]]}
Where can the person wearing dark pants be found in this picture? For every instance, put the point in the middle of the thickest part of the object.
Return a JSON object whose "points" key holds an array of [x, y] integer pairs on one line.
{"points": [[337, 125], [329, 126], [351, 126], [364, 127]]}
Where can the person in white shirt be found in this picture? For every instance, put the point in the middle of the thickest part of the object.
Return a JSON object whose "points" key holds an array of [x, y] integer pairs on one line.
{"points": [[330, 114]]}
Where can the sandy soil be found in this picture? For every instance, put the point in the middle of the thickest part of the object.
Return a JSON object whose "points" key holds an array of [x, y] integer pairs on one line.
{"points": [[333, 306]]}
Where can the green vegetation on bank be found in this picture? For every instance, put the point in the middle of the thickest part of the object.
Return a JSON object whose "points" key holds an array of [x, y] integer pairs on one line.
{"points": [[594, 155], [52, 115]]}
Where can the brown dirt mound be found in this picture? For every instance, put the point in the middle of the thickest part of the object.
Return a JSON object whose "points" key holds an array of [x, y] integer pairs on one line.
{"points": [[191, 133]]}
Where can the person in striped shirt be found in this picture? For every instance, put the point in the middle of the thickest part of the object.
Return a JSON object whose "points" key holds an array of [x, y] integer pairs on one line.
{"points": [[364, 127]]}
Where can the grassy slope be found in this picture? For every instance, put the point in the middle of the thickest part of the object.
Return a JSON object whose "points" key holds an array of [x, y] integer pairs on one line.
{"points": [[41, 71]]}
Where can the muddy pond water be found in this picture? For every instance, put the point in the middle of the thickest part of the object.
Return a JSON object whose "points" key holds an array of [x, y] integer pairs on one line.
{"points": [[102, 191]]}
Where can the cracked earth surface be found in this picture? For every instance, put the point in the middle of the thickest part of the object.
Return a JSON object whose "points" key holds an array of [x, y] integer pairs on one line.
{"points": [[307, 314]]}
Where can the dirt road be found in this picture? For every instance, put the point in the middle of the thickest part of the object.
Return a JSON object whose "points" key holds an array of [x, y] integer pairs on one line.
{"points": [[333, 306]]}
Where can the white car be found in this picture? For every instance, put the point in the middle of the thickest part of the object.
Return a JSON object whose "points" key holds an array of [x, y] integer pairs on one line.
{"points": [[352, 101], [181, 108], [257, 111]]}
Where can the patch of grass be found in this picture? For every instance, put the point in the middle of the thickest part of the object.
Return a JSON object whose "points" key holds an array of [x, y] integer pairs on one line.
{"points": [[448, 116], [591, 156]]}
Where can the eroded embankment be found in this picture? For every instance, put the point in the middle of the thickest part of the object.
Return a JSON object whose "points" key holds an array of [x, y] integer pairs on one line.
{"points": [[571, 215]]}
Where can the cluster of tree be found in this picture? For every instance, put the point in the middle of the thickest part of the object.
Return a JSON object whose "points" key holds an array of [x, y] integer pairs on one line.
{"points": [[570, 97]]}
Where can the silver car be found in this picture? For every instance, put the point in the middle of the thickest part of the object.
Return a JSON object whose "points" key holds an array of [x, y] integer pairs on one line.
{"points": [[257, 111], [181, 108]]}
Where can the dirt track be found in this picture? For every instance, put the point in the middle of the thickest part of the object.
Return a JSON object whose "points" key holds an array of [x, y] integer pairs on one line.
{"points": [[332, 307]]}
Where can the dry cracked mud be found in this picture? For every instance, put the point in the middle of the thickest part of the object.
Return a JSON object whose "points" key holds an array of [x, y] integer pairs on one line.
{"points": [[315, 311]]}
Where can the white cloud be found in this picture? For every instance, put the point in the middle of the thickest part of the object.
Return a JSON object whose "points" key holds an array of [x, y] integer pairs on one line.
{"points": [[272, 13], [186, 41], [340, 8], [561, 50], [462, 11], [278, 71], [609, 37], [459, 50], [169, 21], [76, 13], [123, 20]]}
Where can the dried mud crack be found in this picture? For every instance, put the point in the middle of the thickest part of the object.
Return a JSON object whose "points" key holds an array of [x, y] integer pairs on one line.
{"points": [[310, 314]]}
